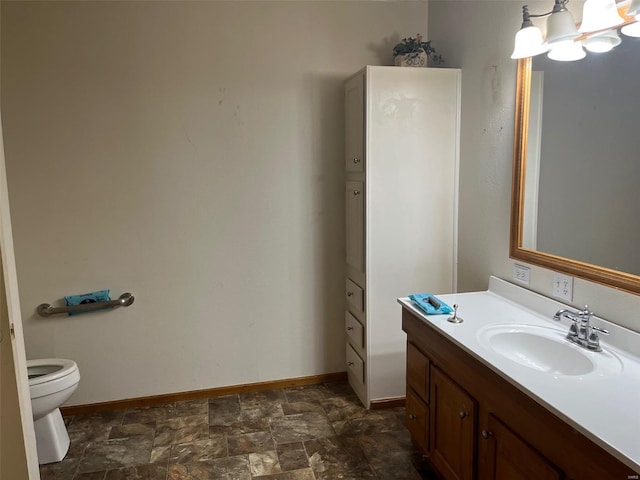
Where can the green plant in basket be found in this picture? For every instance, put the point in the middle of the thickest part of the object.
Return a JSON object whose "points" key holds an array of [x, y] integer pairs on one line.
{"points": [[412, 47]]}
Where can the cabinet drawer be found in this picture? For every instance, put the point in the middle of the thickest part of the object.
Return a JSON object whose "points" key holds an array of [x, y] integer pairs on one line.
{"points": [[418, 371], [355, 295], [355, 330], [355, 365], [417, 420]]}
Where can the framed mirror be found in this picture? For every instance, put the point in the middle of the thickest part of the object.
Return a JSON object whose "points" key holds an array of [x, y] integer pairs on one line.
{"points": [[576, 170]]}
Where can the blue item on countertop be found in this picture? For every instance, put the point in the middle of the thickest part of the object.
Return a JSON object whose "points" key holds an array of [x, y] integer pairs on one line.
{"points": [[93, 297], [421, 300]]}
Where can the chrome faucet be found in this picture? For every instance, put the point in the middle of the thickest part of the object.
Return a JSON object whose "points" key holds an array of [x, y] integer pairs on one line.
{"points": [[581, 332]]}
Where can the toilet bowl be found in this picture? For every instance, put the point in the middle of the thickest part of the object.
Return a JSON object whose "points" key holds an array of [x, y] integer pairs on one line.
{"points": [[51, 383]]}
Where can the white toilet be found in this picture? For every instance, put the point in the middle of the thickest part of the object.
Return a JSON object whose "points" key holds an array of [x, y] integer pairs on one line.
{"points": [[51, 383]]}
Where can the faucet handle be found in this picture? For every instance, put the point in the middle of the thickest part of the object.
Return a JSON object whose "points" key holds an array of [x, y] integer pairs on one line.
{"points": [[598, 329], [584, 316], [593, 341]]}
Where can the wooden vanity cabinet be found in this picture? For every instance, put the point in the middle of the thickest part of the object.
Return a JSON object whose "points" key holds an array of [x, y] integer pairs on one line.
{"points": [[417, 399], [418, 372], [482, 427], [511, 458], [417, 420], [452, 435]]}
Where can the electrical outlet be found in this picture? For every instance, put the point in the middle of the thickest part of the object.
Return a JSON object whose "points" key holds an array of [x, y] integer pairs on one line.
{"points": [[521, 273], [563, 287]]}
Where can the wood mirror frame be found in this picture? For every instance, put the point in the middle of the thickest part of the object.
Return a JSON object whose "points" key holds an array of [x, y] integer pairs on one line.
{"points": [[595, 273]]}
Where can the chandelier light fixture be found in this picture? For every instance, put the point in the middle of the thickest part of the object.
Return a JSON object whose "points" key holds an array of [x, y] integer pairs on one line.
{"points": [[564, 41], [633, 29]]}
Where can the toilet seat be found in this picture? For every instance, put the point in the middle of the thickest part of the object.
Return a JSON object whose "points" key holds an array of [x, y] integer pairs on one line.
{"points": [[52, 382], [48, 375], [48, 369]]}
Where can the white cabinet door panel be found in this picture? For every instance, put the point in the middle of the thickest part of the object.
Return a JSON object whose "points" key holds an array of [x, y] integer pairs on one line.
{"points": [[354, 198], [354, 117]]}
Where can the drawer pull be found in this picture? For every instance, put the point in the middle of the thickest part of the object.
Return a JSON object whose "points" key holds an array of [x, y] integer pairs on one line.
{"points": [[356, 193], [463, 415], [486, 434], [412, 416], [356, 161], [350, 364], [349, 329], [349, 294]]}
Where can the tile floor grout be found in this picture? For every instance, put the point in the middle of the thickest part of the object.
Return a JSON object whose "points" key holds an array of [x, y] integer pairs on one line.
{"points": [[254, 435]]}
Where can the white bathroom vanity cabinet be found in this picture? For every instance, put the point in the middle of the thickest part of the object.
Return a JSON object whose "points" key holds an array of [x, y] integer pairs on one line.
{"points": [[401, 164]]}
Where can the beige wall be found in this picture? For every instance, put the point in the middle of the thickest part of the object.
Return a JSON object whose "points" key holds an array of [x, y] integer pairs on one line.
{"points": [[478, 38], [191, 153]]}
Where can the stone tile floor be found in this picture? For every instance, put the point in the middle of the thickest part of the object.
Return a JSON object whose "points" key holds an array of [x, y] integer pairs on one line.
{"points": [[317, 432]]}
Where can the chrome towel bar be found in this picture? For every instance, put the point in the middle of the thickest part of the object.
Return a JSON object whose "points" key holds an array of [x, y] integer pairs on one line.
{"points": [[46, 310]]}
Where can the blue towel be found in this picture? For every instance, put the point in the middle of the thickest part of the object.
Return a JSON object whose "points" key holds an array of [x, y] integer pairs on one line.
{"points": [[93, 297], [421, 300]]}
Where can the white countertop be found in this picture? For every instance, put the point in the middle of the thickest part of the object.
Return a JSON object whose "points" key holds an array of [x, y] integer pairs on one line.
{"points": [[605, 407]]}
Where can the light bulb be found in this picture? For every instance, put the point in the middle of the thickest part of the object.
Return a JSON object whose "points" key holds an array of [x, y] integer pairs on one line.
{"points": [[631, 30], [603, 42], [567, 51]]}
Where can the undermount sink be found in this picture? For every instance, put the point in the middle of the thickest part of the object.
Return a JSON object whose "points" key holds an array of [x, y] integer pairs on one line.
{"points": [[545, 349]]}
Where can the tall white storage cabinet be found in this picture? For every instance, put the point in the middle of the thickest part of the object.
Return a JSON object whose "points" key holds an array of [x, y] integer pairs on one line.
{"points": [[401, 162]]}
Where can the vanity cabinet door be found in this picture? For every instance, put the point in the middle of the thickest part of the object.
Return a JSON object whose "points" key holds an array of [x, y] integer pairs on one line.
{"points": [[417, 420], [511, 458], [418, 371], [452, 428]]}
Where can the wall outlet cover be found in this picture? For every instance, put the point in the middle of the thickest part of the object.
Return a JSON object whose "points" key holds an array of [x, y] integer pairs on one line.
{"points": [[563, 287], [521, 274]]}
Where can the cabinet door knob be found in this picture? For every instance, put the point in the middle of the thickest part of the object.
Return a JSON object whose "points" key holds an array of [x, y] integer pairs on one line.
{"points": [[463, 414], [349, 329], [356, 193], [349, 294], [350, 364], [412, 416], [356, 161], [486, 434]]}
